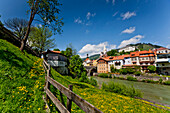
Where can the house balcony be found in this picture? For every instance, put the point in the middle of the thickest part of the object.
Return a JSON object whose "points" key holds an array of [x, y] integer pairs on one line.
{"points": [[163, 60]]}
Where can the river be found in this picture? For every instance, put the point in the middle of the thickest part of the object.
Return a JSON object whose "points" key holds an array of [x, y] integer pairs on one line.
{"points": [[154, 92]]}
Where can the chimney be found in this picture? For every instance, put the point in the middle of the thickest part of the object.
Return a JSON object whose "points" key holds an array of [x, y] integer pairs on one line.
{"points": [[87, 55]]}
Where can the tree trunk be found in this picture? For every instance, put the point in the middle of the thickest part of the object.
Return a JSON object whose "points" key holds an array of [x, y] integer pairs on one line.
{"points": [[33, 12], [23, 42]]}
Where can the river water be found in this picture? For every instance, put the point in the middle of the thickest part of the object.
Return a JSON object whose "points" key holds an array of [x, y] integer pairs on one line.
{"points": [[154, 92]]}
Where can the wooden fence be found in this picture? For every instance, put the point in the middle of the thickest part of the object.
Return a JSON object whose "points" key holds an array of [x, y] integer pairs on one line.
{"points": [[71, 96]]}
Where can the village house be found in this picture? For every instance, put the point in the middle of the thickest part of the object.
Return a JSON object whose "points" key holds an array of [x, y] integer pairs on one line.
{"points": [[102, 65], [127, 49], [87, 62], [57, 60], [163, 61], [143, 59]]}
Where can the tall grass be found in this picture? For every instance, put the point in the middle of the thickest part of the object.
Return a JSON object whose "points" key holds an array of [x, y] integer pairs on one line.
{"points": [[121, 89]]}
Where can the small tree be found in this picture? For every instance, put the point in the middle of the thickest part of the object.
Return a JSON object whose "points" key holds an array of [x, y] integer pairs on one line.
{"points": [[47, 11], [76, 66], [18, 26], [40, 38], [56, 49], [151, 68]]}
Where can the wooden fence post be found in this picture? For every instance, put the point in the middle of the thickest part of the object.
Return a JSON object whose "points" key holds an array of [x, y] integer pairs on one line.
{"points": [[47, 83], [69, 101]]}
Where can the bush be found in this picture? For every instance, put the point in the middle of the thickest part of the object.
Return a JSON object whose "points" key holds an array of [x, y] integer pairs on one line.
{"points": [[160, 80], [167, 82], [151, 68], [84, 78], [123, 71], [130, 78], [110, 75], [103, 75], [121, 89], [137, 73], [151, 81], [130, 70], [93, 81], [122, 78]]}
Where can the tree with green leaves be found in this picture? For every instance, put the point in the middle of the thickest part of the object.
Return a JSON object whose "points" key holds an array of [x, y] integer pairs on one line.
{"points": [[151, 68], [112, 52], [56, 49], [76, 66], [47, 12], [40, 38], [17, 25]]}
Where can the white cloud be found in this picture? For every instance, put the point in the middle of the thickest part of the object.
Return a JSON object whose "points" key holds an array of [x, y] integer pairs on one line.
{"points": [[130, 30], [107, 1], [115, 13], [113, 2], [168, 46], [127, 15], [87, 31], [132, 40], [90, 15], [95, 49], [78, 20]]}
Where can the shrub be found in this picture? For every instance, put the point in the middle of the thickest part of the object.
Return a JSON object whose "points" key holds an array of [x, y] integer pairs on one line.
{"points": [[130, 78], [130, 70], [84, 78], [123, 71], [121, 89], [143, 80], [167, 82], [93, 81], [160, 80], [103, 75], [137, 73], [151, 68], [110, 75], [122, 78]]}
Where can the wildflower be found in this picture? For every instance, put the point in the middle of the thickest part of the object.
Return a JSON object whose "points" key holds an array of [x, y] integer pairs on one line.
{"points": [[38, 108]]}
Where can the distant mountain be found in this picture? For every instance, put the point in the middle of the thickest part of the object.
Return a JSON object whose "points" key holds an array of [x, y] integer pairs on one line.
{"points": [[145, 46], [93, 57]]}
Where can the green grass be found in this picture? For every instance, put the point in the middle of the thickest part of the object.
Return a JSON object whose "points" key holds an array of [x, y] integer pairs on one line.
{"points": [[21, 80], [103, 75], [105, 101], [121, 89]]}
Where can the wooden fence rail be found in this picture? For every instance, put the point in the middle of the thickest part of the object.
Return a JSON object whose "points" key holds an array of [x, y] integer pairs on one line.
{"points": [[71, 96]]}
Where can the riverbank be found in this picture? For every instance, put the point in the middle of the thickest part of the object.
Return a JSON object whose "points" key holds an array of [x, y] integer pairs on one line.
{"points": [[148, 79], [155, 92]]}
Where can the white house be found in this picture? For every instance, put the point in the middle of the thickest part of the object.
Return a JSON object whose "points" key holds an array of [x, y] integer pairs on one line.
{"points": [[163, 64], [57, 60], [127, 49]]}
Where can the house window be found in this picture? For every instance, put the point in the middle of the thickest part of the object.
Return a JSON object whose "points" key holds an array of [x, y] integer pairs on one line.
{"points": [[164, 68], [134, 62], [163, 64]]}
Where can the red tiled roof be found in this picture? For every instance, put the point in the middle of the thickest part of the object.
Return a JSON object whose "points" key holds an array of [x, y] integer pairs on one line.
{"points": [[161, 48], [87, 59], [56, 51], [138, 53]]}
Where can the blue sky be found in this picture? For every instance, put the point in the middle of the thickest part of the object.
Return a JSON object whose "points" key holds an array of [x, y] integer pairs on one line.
{"points": [[91, 24]]}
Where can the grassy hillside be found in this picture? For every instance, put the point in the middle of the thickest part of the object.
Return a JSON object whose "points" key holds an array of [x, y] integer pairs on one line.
{"points": [[105, 101], [21, 80], [145, 46]]}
